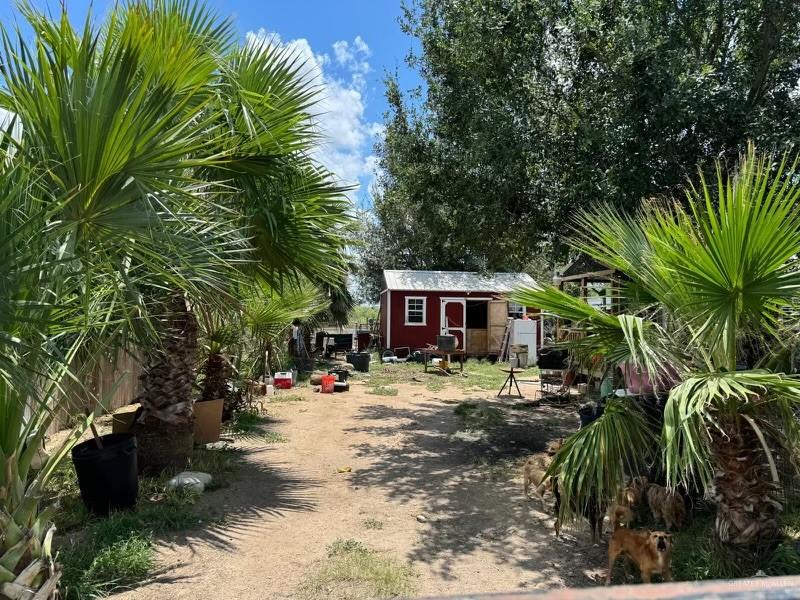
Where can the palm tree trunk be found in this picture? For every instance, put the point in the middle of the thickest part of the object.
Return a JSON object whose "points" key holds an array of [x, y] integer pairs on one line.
{"points": [[747, 499], [217, 373], [165, 428]]}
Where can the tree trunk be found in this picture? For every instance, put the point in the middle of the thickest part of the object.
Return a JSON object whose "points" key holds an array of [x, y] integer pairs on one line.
{"points": [[748, 500], [164, 429]]}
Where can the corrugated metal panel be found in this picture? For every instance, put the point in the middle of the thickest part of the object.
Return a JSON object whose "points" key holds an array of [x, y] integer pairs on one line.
{"points": [[462, 281]]}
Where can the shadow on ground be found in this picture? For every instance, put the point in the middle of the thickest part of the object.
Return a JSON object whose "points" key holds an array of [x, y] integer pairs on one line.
{"points": [[259, 490], [470, 484]]}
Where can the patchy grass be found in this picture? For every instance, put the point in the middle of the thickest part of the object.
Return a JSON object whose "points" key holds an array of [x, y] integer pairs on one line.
{"points": [[497, 470], [372, 524], [280, 398], [353, 571], [478, 375], [100, 556], [382, 390], [250, 425], [436, 385], [479, 415]]}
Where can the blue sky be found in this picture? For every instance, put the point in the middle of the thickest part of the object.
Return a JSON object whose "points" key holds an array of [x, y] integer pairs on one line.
{"points": [[349, 46]]}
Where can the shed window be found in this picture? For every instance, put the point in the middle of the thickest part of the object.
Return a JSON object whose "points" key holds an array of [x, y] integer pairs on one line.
{"points": [[415, 311], [515, 311]]}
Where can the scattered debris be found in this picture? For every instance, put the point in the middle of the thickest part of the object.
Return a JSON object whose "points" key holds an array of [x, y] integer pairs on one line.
{"points": [[192, 480], [345, 469], [422, 518], [222, 444], [469, 435]]}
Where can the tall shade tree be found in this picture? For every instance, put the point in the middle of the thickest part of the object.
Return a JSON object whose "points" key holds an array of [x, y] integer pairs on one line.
{"points": [[534, 109], [702, 281]]}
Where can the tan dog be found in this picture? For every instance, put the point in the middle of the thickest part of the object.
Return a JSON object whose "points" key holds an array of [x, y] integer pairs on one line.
{"points": [[533, 473], [667, 506], [619, 516], [650, 550]]}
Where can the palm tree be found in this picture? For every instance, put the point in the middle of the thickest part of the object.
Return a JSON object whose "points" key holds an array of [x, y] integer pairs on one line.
{"points": [[701, 280]]}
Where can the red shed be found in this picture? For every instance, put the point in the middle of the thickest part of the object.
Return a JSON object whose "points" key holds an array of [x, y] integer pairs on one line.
{"points": [[416, 306]]}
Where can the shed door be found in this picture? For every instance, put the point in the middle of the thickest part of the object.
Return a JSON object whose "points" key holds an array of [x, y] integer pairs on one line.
{"points": [[454, 318], [498, 319]]}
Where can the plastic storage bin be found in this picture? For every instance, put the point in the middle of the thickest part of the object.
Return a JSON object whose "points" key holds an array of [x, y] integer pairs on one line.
{"points": [[283, 380]]}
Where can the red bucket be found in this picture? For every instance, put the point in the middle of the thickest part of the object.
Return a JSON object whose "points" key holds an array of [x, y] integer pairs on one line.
{"points": [[327, 383]]}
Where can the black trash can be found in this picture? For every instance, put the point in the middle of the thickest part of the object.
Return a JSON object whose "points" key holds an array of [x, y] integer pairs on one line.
{"points": [[107, 477], [359, 360], [589, 413]]}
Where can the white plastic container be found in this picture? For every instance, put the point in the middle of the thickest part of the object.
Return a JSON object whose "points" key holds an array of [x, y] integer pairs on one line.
{"points": [[270, 389]]}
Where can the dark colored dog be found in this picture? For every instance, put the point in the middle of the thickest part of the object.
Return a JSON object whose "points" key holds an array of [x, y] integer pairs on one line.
{"points": [[594, 512]]}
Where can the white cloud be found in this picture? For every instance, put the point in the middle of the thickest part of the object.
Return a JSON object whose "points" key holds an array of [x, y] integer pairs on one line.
{"points": [[348, 136]]}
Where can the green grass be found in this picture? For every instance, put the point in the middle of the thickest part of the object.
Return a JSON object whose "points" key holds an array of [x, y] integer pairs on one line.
{"points": [[382, 390], [372, 524], [353, 571], [100, 556], [479, 375], [478, 415], [695, 554]]}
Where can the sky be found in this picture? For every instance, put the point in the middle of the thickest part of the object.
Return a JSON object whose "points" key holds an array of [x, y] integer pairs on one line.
{"points": [[349, 46]]}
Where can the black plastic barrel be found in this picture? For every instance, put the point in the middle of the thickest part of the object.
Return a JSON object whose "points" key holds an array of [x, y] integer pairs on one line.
{"points": [[107, 476], [359, 360]]}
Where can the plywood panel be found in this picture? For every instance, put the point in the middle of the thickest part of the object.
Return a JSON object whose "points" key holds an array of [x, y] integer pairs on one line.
{"points": [[477, 342], [498, 317]]}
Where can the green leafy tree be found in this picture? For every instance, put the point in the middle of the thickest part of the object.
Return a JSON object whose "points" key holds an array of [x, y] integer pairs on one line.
{"points": [[704, 279], [532, 110]]}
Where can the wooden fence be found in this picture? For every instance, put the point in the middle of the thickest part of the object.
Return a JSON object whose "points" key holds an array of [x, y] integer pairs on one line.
{"points": [[114, 382]]}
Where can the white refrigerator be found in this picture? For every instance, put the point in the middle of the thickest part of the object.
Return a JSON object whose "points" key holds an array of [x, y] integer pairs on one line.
{"points": [[524, 331]]}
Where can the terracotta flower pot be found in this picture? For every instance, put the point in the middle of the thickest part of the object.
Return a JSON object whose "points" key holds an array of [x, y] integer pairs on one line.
{"points": [[207, 421]]}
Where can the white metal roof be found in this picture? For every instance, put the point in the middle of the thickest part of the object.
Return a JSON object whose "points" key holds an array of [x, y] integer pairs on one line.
{"points": [[455, 281]]}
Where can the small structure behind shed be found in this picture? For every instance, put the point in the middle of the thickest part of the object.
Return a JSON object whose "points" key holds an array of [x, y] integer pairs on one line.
{"points": [[416, 306]]}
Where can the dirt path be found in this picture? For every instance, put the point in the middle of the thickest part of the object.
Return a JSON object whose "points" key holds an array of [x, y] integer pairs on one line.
{"points": [[290, 502]]}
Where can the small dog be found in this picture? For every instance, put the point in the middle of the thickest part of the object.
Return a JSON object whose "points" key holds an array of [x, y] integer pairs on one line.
{"points": [[533, 472], [667, 506], [619, 516], [625, 507], [631, 495], [650, 550]]}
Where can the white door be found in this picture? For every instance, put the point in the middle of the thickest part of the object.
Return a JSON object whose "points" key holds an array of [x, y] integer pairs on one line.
{"points": [[453, 319]]}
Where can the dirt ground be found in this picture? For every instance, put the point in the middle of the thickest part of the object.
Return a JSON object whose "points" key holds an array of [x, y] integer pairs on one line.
{"points": [[451, 506]]}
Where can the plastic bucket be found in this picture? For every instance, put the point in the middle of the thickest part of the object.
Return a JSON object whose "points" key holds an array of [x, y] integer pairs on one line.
{"points": [[328, 382], [107, 476]]}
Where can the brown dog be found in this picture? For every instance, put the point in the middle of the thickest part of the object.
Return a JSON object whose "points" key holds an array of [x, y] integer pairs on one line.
{"points": [[650, 550], [666, 505], [593, 512]]}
